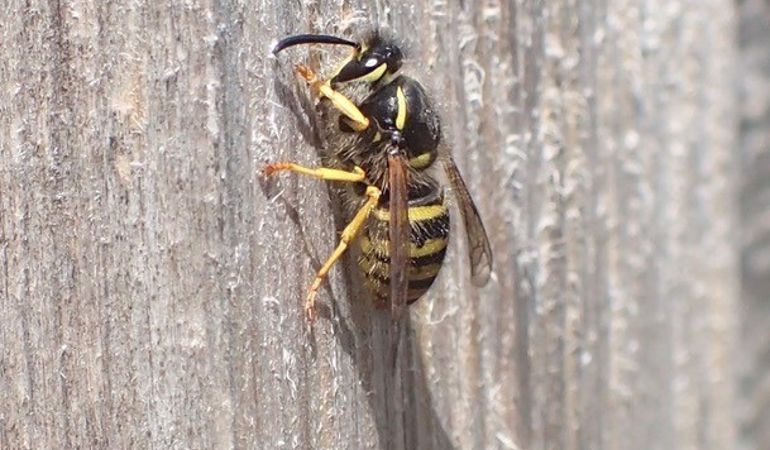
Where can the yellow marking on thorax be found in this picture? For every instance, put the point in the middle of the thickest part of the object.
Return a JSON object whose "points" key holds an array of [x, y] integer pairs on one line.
{"points": [[401, 115], [416, 213], [421, 161], [430, 247]]}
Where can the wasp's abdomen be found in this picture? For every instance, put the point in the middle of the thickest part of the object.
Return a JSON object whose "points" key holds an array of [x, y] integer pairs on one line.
{"points": [[429, 237]]}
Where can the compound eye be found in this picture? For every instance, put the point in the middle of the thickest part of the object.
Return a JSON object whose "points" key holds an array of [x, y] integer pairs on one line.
{"points": [[371, 63]]}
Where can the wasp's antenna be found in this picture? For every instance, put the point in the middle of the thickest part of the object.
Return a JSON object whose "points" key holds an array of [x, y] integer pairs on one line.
{"points": [[300, 39]]}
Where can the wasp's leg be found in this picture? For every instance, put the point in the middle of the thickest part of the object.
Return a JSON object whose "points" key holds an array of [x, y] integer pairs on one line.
{"points": [[348, 234], [323, 173], [358, 120]]}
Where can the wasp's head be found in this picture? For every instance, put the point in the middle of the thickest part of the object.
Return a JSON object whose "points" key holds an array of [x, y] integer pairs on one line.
{"points": [[370, 61]]}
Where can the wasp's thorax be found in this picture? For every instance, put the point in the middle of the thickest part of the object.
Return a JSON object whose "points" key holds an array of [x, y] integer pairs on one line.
{"points": [[403, 116]]}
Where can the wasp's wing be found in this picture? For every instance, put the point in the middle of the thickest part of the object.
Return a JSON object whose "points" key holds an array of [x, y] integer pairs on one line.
{"points": [[479, 250], [399, 230]]}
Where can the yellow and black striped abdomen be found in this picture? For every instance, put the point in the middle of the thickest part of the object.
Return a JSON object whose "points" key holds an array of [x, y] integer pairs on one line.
{"points": [[429, 237]]}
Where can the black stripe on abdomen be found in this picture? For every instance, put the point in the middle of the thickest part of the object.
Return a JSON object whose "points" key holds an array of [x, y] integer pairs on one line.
{"points": [[432, 229]]}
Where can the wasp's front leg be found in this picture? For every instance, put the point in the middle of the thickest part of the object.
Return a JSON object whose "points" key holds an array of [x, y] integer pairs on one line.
{"points": [[358, 121]]}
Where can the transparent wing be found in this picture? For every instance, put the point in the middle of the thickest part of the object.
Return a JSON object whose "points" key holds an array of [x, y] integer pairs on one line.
{"points": [[479, 251]]}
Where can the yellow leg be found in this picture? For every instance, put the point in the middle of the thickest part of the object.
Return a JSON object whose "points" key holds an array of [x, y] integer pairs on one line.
{"points": [[348, 234], [323, 173], [358, 121]]}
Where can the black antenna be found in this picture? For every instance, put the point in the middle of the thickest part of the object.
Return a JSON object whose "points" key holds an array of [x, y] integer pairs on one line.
{"points": [[300, 39]]}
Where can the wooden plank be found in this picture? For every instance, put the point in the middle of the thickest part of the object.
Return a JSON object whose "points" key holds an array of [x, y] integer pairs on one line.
{"points": [[152, 280]]}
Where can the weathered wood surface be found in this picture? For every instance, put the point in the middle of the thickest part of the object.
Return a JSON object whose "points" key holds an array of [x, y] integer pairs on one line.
{"points": [[152, 281]]}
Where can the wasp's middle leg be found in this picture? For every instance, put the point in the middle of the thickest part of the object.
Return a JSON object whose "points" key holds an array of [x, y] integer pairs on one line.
{"points": [[357, 175], [323, 173]]}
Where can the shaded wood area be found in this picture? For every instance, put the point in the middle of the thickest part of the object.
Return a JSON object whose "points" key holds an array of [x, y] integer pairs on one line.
{"points": [[754, 410], [151, 281]]}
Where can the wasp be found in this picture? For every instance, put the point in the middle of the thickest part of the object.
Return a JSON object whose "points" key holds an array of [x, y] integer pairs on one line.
{"points": [[382, 139]]}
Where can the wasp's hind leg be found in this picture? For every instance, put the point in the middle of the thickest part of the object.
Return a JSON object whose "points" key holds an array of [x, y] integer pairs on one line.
{"points": [[357, 175], [358, 120], [348, 234]]}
